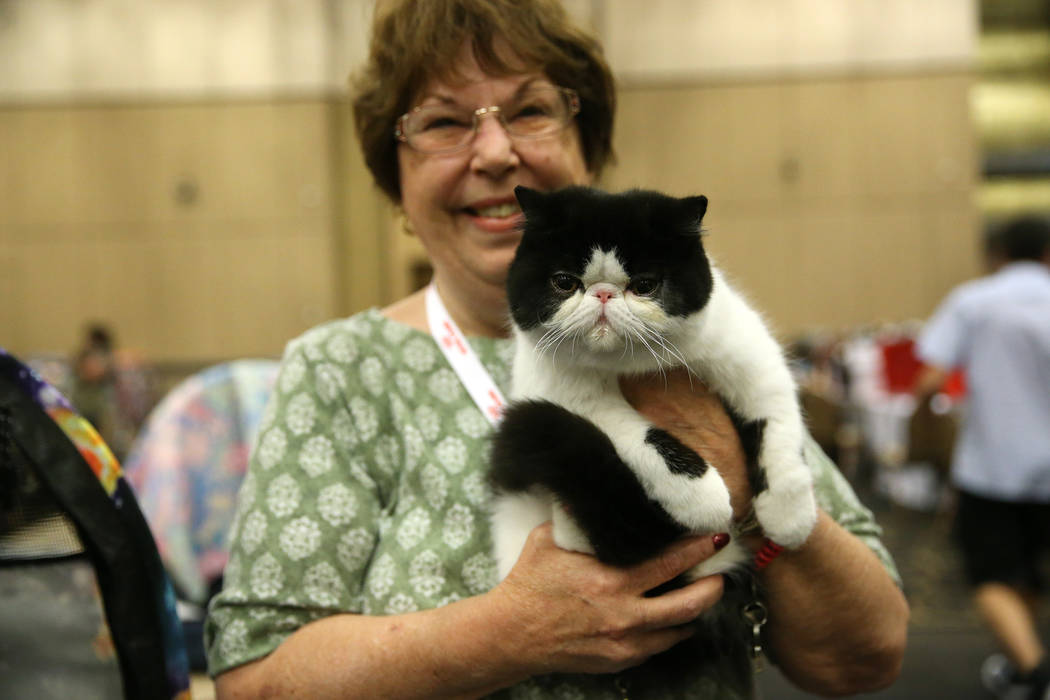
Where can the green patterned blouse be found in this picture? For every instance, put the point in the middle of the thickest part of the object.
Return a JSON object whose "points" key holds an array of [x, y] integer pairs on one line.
{"points": [[366, 494]]}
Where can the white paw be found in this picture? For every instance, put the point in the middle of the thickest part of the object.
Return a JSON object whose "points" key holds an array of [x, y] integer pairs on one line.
{"points": [[567, 534], [732, 556], [699, 504], [787, 515]]}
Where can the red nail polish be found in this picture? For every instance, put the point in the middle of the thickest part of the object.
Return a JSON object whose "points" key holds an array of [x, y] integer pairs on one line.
{"points": [[720, 540]]}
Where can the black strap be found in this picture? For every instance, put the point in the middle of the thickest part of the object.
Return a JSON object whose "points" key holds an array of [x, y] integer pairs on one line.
{"points": [[114, 532]]}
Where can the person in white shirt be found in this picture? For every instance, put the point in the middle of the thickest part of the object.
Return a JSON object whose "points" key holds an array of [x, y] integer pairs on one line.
{"points": [[997, 329]]}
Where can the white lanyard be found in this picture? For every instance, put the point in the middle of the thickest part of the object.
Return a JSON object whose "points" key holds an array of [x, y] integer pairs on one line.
{"points": [[475, 378]]}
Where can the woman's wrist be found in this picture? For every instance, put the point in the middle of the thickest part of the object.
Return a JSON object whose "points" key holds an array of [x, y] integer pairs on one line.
{"points": [[764, 550], [507, 646]]}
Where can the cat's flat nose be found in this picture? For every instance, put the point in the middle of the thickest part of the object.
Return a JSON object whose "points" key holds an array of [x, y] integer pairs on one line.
{"points": [[604, 295]]}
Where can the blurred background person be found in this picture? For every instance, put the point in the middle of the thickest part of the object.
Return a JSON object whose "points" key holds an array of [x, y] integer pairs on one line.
{"points": [[113, 388], [997, 329], [94, 379]]}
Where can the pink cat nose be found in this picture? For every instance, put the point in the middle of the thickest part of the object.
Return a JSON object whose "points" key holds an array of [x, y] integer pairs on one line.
{"points": [[603, 295]]}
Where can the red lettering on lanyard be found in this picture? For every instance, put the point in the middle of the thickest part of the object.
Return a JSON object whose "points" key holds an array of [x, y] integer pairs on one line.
{"points": [[452, 340], [496, 408]]}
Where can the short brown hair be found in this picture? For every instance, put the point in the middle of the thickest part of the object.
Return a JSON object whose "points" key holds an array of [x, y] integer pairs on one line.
{"points": [[415, 41]]}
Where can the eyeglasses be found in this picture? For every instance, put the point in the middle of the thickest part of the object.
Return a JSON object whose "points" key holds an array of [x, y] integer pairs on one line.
{"points": [[532, 114]]}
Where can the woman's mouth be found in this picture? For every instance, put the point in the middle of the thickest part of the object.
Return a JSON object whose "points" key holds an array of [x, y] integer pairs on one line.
{"points": [[495, 211], [502, 217]]}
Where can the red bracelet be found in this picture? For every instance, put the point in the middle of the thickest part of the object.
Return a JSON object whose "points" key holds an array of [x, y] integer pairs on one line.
{"points": [[770, 551]]}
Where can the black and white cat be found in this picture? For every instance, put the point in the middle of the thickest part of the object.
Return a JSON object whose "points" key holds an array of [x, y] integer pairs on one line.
{"points": [[605, 285]]}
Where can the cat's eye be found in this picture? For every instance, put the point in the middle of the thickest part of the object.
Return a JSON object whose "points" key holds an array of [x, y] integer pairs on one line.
{"points": [[644, 286], [565, 283]]}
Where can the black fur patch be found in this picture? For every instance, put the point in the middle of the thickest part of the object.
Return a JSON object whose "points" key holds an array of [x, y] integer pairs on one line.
{"points": [[718, 651], [679, 458], [750, 433], [541, 444], [654, 235]]}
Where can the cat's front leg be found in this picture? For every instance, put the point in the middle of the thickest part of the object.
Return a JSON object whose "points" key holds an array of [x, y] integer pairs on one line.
{"points": [[681, 481], [785, 505], [514, 516], [567, 532]]}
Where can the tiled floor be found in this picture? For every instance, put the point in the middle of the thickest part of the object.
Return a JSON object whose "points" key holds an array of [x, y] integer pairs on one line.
{"points": [[201, 687]]}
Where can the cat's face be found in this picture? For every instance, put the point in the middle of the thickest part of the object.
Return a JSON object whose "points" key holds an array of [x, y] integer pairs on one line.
{"points": [[608, 278]]}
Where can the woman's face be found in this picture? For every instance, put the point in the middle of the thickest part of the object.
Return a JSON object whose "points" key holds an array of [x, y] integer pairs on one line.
{"points": [[461, 204]]}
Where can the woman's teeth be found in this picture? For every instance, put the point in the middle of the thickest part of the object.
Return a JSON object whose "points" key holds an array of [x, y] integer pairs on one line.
{"points": [[498, 211]]}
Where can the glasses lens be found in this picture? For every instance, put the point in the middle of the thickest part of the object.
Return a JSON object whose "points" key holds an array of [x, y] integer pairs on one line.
{"points": [[538, 112], [438, 127]]}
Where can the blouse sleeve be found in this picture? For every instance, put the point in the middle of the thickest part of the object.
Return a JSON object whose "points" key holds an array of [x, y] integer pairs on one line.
{"points": [[836, 497], [308, 512]]}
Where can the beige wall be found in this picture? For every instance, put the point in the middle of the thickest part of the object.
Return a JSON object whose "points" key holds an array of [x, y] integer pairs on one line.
{"points": [[832, 138], [834, 202], [199, 231]]}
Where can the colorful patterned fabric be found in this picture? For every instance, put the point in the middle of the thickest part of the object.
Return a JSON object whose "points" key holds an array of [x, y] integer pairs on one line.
{"points": [[80, 432], [366, 493], [188, 464], [107, 471]]}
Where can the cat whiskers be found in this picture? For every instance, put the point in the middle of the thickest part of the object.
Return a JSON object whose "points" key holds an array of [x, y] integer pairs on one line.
{"points": [[555, 335], [659, 360], [628, 347], [644, 330]]}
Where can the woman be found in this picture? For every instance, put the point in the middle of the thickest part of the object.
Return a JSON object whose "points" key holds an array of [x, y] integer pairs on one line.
{"points": [[360, 564]]}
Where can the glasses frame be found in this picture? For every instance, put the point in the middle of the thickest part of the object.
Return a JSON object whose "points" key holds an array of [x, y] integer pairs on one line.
{"points": [[496, 110]]}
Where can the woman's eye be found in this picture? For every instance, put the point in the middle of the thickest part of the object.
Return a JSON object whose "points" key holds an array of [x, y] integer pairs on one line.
{"points": [[565, 283], [530, 110], [644, 287], [444, 122]]}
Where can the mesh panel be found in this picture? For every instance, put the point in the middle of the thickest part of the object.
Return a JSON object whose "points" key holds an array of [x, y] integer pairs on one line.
{"points": [[33, 526]]}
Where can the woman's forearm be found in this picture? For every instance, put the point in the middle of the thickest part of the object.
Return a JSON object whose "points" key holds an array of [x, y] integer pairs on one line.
{"points": [[837, 621], [456, 651]]}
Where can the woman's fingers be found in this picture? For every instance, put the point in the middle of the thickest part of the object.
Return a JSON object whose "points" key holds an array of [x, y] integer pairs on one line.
{"points": [[679, 557], [640, 647], [682, 605]]}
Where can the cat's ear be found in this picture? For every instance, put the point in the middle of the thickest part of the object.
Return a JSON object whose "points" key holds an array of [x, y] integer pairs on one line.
{"points": [[534, 204], [694, 209], [696, 206], [529, 199]]}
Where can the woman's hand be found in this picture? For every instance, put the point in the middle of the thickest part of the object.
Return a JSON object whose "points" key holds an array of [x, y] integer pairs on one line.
{"points": [[578, 615]]}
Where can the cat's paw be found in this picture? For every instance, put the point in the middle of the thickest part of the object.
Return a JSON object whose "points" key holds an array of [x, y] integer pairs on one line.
{"points": [[567, 534], [701, 504], [787, 514]]}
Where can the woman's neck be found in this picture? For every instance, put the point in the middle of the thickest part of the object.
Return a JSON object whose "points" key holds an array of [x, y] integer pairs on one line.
{"points": [[483, 313], [485, 316]]}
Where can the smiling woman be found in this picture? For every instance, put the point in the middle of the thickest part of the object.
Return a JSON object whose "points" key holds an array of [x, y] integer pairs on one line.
{"points": [[461, 202], [361, 561]]}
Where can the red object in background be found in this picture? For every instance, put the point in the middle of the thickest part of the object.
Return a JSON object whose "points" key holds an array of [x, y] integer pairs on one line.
{"points": [[955, 385], [901, 368], [900, 365]]}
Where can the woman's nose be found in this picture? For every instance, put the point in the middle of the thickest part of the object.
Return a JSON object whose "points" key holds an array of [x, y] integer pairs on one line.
{"points": [[493, 149]]}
